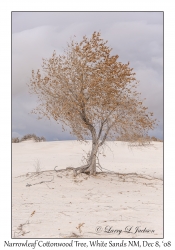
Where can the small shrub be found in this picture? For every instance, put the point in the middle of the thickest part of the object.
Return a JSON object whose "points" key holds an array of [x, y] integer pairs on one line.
{"points": [[37, 166], [42, 138], [30, 137], [156, 139], [138, 139], [15, 140], [153, 138]]}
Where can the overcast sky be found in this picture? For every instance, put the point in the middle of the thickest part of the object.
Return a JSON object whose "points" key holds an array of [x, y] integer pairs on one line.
{"points": [[135, 36]]}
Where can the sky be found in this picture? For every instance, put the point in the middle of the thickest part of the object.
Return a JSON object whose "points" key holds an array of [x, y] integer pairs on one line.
{"points": [[136, 37]]}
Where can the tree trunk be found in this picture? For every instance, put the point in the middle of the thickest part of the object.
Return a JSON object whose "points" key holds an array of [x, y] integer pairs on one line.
{"points": [[91, 165], [93, 157]]}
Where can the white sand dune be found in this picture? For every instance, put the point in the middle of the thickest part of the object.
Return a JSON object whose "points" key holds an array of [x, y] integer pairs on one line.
{"points": [[124, 203]]}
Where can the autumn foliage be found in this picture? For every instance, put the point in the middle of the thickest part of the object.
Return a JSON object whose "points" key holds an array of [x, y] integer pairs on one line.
{"points": [[90, 91]]}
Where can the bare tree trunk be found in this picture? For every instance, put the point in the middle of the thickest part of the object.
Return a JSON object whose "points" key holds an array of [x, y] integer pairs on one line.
{"points": [[91, 165], [93, 156]]}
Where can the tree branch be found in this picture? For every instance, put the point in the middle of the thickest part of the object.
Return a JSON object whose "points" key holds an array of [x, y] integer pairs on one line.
{"points": [[105, 135]]}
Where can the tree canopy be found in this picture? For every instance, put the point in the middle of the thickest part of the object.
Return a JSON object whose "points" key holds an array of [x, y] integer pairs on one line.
{"points": [[89, 90]]}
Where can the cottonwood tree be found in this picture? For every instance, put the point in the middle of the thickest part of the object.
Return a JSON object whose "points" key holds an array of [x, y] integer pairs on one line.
{"points": [[90, 91]]}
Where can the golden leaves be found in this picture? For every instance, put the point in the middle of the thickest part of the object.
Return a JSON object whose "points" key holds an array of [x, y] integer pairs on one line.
{"points": [[86, 78]]}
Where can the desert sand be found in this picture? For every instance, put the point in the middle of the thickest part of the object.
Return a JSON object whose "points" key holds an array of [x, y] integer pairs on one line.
{"points": [[124, 201]]}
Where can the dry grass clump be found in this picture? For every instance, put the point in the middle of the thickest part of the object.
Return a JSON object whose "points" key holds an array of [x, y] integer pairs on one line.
{"points": [[28, 137]]}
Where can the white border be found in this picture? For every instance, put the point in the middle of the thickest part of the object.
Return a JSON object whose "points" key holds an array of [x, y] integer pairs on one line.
{"points": [[5, 93]]}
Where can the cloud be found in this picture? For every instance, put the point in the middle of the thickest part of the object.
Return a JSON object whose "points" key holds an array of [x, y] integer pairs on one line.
{"points": [[98, 20], [135, 37]]}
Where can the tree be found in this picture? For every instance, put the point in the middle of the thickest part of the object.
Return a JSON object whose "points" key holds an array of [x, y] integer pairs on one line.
{"points": [[88, 90]]}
